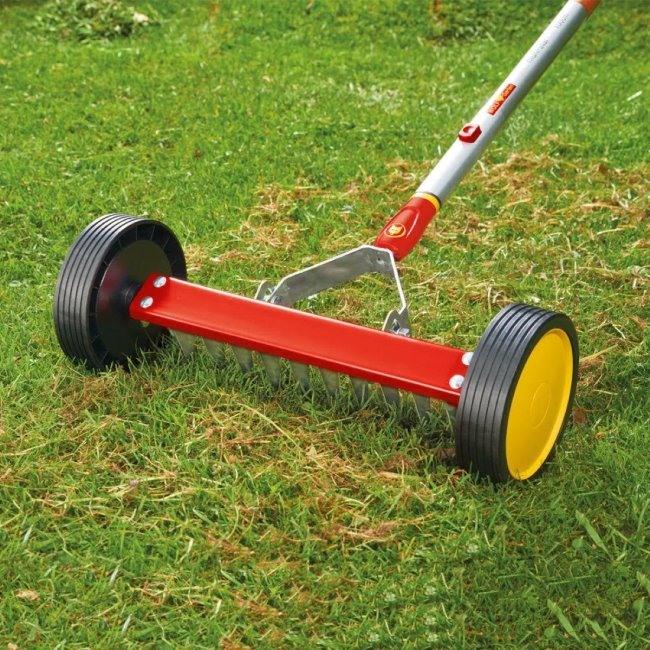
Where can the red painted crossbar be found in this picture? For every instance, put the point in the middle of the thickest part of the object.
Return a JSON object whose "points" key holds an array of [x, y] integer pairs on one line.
{"points": [[391, 359]]}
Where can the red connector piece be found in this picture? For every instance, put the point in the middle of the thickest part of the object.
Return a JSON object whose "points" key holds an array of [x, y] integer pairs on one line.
{"points": [[405, 229]]}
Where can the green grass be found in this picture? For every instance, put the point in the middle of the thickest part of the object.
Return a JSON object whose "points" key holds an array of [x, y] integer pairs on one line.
{"points": [[181, 505]]}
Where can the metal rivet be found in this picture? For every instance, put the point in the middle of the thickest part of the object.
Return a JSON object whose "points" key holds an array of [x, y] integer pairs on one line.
{"points": [[456, 381], [147, 301], [467, 357], [160, 281]]}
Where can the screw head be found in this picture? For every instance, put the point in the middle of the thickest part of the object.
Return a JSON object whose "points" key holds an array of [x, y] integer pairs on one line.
{"points": [[160, 281], [147, 301], [467, 357], [456, 381]]}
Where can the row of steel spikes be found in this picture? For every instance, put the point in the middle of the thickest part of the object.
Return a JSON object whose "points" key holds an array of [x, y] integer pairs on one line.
{"points": [[301, 372]]}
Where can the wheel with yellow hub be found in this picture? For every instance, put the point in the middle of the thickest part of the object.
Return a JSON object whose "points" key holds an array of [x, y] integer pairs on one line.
{"points": [[517, 394]]}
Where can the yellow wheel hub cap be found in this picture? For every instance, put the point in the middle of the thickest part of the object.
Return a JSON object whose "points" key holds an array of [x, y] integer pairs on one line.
{"points": [[539, 404]]}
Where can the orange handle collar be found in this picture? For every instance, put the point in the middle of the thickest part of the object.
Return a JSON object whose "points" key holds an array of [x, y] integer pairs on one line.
{"points": [[406, 228], [589, 5]]}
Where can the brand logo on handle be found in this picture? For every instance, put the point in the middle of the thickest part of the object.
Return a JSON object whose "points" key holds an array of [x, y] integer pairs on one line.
{"points": [[396, 231], [501, 99]]}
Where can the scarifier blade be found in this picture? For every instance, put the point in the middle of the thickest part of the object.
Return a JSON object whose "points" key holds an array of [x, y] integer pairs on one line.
{"points": [[451, 413], [391, 395], [273, 368], [216, 349], [244, 358], [301, 374], [361, 389], [331, 381], [186, 341], [422, 405]]}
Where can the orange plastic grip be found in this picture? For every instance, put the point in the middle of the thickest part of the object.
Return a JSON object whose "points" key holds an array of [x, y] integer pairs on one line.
{"points": [[406, 228], [589, 5]]}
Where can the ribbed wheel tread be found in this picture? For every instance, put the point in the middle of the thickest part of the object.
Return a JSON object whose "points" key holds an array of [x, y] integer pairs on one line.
{"points": [[496, 365], [78, 284]]}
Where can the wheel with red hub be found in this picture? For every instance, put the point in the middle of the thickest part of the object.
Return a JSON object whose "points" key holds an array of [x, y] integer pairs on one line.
{"points": [[517, 394], [102, 271]]}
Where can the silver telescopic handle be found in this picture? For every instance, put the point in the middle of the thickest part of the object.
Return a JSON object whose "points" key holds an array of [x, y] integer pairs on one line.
{"points": [[477, 135], [406, 227]]}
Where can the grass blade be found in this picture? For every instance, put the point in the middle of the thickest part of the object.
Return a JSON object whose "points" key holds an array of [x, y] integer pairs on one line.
{"points": [[644, 581], [595, 626], [591, 531], [564, 621]]}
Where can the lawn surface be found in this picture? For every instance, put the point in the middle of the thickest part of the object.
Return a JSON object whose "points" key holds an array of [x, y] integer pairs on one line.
{"points": [[183, 505]]}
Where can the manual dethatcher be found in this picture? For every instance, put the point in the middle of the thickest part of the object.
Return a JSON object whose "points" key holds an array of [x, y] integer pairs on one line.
{"points": [[123, 285]]}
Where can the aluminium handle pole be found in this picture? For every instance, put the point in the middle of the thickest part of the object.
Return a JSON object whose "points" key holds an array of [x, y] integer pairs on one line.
{"points": [[405, 229], [473, 141]]}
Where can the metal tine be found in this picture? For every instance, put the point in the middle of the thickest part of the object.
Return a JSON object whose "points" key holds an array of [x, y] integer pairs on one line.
{"points": [[301, 373], [391, 395], [361, 389], [422, 405], [271, 363], [244, 358], [331, 381], [186, 341], [451, 413], [273, 368], [398, 323], [216, 349]]}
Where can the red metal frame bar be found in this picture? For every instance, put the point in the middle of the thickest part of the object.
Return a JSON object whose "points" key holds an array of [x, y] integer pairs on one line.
{"points": [[393, 360]]}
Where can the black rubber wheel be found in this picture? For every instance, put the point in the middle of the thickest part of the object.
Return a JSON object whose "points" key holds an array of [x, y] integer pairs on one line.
{"points": [[517, 395], [101, 274]]}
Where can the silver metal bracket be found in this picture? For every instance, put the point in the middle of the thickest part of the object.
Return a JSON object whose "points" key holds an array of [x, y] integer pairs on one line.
{"points": [[335, 272]]}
